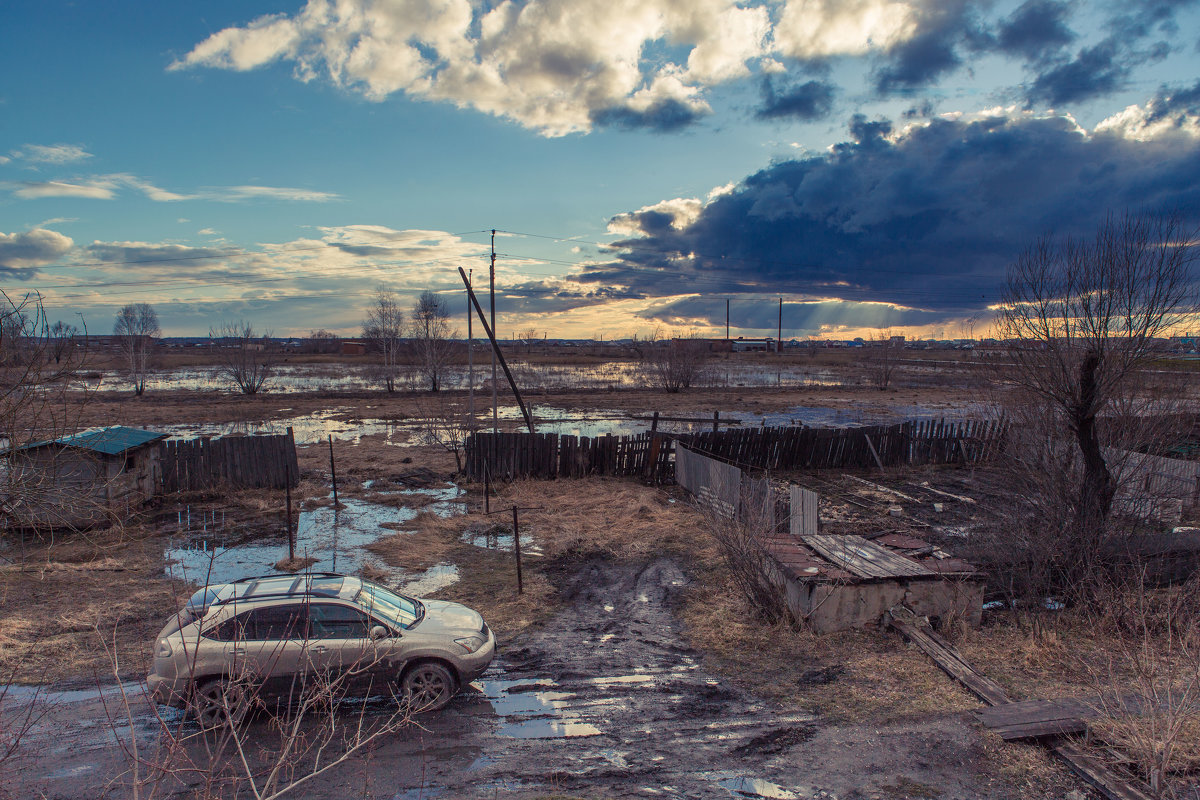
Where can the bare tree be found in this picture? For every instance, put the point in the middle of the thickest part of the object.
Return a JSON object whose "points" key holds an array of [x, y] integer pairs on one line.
{"points": [[33, 408], [243, 357], [384, 331], [882, 353], [529, 335], [62, 340], [323, 341], [136, 328], [676, 364], [1082, 316], [446, 425], [432, 337]]}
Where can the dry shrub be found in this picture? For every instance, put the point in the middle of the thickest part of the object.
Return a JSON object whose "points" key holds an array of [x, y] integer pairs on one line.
{"points": [[294, 564], [1148, 685], [861, 676]]}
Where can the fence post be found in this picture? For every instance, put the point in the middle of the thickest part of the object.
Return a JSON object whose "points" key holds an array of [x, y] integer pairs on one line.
{"points": [[333, 473], [291, 535], [716, 421], [517, 550]]}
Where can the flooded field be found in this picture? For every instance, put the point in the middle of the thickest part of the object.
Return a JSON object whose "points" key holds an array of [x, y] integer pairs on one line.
{"points": [[287, 378]]}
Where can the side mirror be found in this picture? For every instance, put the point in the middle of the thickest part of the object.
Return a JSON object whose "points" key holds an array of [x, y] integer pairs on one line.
{"points": [[379, 632]]}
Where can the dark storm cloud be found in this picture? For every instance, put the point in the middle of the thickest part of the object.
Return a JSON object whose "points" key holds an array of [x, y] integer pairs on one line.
{"points": [[807, 101], [547, 297], [22, 253], [1174, 103], [944, 28], [664, 116], [1036, 30], [929, 219], [1095, 71]]}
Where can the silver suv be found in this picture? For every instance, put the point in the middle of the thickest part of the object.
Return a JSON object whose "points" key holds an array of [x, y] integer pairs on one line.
{"points": [[275, 635]]}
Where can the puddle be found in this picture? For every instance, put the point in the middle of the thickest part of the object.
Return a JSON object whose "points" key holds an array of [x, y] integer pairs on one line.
{"points": [[742, 786], [533, 709], [207, 549], [431, 580], [50, 696], [496, 539]]}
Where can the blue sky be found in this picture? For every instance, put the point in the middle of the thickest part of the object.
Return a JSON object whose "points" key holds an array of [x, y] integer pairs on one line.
{"points": [[877, 163]]}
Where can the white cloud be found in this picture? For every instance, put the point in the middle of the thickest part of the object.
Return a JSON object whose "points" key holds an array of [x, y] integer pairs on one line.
{"points": [[551, 65], [1151, 121], [106, 187], [208, 232], [32, 249], [52, 153], [4, 159], [824, 28], [94, 190]]}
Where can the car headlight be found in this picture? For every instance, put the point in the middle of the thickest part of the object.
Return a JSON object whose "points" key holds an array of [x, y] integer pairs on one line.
{"points": [[163, 650], [471, 643]]}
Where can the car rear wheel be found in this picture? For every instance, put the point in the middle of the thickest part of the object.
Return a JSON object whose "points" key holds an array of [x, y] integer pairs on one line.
{"points": [[219, 702], [427, 686]]}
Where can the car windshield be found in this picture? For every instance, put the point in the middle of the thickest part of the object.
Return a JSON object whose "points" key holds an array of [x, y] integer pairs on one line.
{"points": [[378, 600]]}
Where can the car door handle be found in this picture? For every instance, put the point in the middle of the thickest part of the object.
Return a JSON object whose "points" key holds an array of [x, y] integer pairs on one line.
{"points": [[237, 651], [320, 649]]}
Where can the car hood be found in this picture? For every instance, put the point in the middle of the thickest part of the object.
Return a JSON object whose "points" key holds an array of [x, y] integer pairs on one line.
{"points": [[441, 615]]}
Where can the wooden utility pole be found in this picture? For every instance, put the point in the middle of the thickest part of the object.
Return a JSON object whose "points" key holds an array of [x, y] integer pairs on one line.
{"points": [[727, 319], [497, 354], [779, 338], [470, 357]]}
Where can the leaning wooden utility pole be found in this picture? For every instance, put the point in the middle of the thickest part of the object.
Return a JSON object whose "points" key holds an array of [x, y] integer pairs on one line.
{"points": [[496, 352], [470, 361]]}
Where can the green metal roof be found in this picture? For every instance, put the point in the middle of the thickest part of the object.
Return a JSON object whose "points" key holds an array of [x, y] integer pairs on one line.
{"points": [[109, 441]]}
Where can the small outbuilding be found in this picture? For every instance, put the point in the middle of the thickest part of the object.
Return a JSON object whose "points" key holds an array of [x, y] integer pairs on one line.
{"points": [[838, 582], [84, 480]]}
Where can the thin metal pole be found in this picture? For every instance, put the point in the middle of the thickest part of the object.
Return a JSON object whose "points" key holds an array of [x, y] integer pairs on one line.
{"points": [[517, 550], [333, 473], [492, 292], [727, 319]]}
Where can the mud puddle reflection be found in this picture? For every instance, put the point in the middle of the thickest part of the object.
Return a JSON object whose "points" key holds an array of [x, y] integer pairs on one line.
{"points": [[208, 548]]}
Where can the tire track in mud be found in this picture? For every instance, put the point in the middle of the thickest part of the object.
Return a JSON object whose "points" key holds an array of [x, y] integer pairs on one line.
{"points": [[608, 697]]}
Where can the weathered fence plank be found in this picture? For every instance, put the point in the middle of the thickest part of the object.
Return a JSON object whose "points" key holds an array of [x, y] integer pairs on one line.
{"points": [[251, 461]]}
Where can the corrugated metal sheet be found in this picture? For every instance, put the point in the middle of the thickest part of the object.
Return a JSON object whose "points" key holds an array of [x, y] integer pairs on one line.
{"points": [[109, 441]]}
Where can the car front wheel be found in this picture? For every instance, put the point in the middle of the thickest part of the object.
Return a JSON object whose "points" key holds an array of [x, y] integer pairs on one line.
{"points": [[427, 686], [219, 702]]}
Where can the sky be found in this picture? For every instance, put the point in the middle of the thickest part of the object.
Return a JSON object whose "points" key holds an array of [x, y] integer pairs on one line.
{"points": [[875, 164]]}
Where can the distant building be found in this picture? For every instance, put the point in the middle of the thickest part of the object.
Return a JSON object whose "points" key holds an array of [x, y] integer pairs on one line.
{"points": [[353, 347]]}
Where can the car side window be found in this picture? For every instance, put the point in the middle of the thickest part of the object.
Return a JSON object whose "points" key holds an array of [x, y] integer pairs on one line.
{"points": [[277, 623], [333, 621], [231, 630]]}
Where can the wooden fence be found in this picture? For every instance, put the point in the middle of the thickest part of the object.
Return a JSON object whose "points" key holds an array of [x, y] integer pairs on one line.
{"points": [[257, 462], [907, 443], [550, 455]]}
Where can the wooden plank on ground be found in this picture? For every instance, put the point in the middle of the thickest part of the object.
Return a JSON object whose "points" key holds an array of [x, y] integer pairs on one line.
{"points": [[949, 661], [864, 558]]}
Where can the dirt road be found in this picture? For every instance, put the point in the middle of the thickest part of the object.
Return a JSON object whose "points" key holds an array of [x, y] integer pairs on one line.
{"points": [[605, 701]]}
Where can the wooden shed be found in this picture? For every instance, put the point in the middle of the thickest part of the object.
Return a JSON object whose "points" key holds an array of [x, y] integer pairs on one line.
{"points": [[84, 480], [838, 582]]}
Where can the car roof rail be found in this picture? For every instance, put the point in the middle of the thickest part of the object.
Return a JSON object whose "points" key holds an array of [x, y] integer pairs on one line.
{"points": [[291, 575], [253, 598]]}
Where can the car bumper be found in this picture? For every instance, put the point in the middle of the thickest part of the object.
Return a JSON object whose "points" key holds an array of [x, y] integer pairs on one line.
{"points": [[164, 690], [472, 666]]}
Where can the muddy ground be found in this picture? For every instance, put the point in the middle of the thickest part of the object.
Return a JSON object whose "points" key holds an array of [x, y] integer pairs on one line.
{"points": [[607, 699], [627, 669]]}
